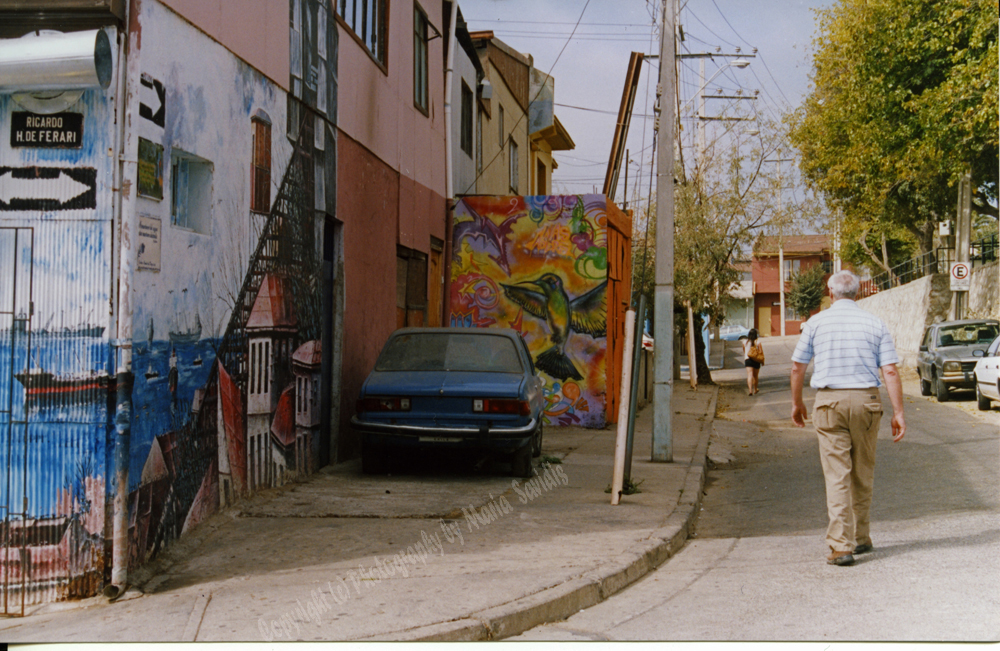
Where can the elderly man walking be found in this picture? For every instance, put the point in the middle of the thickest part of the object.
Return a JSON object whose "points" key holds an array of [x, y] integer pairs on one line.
{"points": [[849, 346]]}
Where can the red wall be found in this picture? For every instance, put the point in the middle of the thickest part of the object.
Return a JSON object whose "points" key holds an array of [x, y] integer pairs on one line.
{"points": [[367, 204], [379, 209]]}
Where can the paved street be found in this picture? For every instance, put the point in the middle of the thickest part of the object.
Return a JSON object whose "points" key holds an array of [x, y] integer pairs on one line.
{"points": [[755, 570]]}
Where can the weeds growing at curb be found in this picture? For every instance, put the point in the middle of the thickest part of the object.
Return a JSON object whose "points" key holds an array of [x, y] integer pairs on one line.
{"points": [[553, 460], [628, 488]]}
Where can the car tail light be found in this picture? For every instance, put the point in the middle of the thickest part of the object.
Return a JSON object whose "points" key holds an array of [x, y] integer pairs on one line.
{"points": [[383, 404], [501, 406]]}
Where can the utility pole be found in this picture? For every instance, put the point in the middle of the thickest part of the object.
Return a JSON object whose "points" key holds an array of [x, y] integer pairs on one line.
{"points": [[740, 63], [781, 241], [663, 303], [963, 238]]}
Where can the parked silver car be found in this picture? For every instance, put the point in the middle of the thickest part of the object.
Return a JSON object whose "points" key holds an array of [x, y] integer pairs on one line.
{"points": [[946, 360]]}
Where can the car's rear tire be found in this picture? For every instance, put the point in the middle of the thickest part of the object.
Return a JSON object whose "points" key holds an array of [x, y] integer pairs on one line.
{"points": [[982, 401], [940, 390], [520, 463], [536, 448], [374, 458], [925, 387]]}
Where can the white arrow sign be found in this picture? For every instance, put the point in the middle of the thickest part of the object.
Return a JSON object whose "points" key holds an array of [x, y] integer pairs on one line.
{"points": [[62, 188]]}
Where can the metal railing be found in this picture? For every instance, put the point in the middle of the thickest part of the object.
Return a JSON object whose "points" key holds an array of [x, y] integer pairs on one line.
{"points": [[981, 252]]}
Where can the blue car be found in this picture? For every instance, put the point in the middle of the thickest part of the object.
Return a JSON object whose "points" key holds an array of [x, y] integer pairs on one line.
{"points": [[452, 388]]}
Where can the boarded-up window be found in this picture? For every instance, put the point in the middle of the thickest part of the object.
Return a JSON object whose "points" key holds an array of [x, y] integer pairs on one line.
{"points": [[260, 182], [411, 287]]}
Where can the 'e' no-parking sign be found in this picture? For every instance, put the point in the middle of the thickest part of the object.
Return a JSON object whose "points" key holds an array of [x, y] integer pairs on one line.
{"points": [[961, 277]]}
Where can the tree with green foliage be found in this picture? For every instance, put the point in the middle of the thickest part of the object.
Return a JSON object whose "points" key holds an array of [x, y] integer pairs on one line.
{"points": [[806, 290], [904, 100], [721, 204]]}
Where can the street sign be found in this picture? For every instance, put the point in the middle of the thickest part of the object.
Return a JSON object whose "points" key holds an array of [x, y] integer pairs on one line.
{"points": [[48, 188], [961, 277], [61, 131]]}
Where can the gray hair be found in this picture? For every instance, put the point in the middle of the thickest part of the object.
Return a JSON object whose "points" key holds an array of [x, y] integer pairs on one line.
{"points": [[844, 284]]}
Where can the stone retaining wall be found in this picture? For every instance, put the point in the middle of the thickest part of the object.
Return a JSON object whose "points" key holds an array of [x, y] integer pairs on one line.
{"points": [[907, 310]]}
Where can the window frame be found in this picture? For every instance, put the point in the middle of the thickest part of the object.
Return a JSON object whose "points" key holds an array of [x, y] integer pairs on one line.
{"points": [[260, 170], [500, 136], [466, 130], [381, 57], [198, 176], [793, 265], [514, 164], [421, 56]]}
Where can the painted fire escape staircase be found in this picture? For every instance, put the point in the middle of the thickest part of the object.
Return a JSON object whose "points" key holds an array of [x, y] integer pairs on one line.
{"points": [[286, 246]]}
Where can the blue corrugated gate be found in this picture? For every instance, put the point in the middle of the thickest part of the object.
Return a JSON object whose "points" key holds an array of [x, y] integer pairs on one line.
{"points": [[56, 371]]}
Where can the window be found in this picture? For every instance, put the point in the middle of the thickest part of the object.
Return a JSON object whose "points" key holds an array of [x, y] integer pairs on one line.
{"points": [[479, 149], [367, 19], [191, 192], [790, 313], [466, 138], [420, 59], [513, 168], [791, 267], [260, 173], [500, 132]]}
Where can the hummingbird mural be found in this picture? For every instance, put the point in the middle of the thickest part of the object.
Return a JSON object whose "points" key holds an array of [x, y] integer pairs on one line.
{"points": [[546, 298]]}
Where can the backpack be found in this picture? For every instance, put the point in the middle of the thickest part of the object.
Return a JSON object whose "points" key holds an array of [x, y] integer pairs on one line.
{"points": [[756, 353]]}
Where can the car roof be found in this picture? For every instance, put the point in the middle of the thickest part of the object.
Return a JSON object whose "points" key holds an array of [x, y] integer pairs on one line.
{"points": [[966, 322], [505, 332]]}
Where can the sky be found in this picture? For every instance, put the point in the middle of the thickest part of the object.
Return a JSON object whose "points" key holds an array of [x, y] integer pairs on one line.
{"points": [[590, 68]]}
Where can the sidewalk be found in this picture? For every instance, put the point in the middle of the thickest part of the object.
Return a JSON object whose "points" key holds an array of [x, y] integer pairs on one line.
{"points": [[419, 556]]}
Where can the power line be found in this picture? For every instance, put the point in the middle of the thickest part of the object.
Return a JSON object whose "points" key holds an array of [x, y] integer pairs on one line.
{"points": [[548, 22], [540, 89]]}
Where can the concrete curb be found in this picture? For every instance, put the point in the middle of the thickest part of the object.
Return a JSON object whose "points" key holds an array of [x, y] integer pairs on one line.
{"points": [[561, 601]]}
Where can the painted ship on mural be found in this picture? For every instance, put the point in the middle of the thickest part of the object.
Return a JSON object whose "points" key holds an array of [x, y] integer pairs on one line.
{"points": [[84, 386], [187, 333], [84, 327]]}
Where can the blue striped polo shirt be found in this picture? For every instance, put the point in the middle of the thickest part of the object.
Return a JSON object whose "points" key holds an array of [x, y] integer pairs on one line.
{"points": [[850, 346]]}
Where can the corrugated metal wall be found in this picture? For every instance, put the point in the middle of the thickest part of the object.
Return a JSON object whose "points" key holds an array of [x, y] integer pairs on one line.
{"points": [[56, 373]]}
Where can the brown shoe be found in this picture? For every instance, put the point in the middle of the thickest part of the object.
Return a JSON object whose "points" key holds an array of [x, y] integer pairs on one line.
{"points": [[840, 558]]}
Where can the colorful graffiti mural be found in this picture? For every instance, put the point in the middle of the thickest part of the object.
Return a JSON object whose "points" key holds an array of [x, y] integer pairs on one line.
{"points": [[539, 265]]}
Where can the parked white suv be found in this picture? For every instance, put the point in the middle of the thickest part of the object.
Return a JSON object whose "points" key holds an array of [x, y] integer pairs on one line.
{"points": [[987, 373]]}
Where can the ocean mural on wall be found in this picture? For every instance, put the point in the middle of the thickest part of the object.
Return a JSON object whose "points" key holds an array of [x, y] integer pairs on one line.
{"points": [[224, 295], [227, 329], [539, 265]]}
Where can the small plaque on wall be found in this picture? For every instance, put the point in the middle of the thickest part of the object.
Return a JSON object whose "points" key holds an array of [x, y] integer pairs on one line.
{"points": [[148, 254], [150, 169]]}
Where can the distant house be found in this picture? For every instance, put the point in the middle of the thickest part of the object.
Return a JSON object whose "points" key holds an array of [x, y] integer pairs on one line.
{"points": [[739, 304], [799, 252]]}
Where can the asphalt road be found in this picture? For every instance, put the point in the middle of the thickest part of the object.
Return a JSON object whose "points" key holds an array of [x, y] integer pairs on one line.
{"points": [[755, 569]]}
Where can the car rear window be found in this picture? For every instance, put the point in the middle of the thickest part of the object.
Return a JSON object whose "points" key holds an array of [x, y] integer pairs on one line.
{"points": [[967, 334], [440, 351]]}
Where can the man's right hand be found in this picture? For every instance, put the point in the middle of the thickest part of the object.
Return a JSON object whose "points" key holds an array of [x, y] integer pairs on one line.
{"points": [[898, 427], [799, 414]]}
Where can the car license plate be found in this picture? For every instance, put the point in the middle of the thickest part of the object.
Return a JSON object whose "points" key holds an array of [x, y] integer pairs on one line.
{"points": [[439, 439]]}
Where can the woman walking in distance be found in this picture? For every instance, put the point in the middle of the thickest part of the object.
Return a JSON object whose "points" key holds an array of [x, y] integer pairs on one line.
{"points": [[750, 345]]}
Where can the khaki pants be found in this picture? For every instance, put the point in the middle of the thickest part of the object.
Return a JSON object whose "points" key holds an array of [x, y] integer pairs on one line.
{"points": [[846, 422]]}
